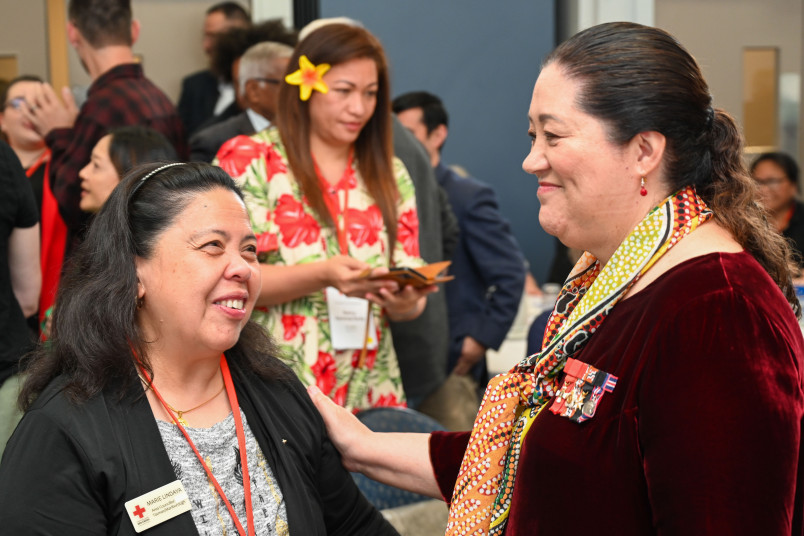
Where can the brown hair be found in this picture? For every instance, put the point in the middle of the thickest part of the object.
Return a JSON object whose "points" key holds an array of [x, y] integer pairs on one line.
{"points": [[102, 22], [334, 44], [636, 78]]}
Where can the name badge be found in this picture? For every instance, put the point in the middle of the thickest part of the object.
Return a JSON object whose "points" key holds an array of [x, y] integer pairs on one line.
{"points": [[347, 321], [158, 506]]}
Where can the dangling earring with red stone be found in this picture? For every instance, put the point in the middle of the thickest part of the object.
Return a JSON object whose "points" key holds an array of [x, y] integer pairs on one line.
{"points": [[642, 190]]}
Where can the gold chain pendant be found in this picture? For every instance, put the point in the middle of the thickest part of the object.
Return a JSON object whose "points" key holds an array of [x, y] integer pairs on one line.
{"points": [[180, 419]]}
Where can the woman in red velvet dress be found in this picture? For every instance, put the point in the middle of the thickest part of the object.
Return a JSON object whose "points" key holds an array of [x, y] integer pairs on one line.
{"points": [[667, 396]]}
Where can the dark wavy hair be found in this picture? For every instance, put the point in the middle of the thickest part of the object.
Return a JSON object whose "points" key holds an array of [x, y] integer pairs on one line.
{"points": [[234, 42], [636, 78], [334, 44], [95, 334]]}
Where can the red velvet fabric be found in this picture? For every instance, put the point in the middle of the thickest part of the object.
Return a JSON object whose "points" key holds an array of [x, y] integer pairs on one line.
{"points": [[702, 434]]}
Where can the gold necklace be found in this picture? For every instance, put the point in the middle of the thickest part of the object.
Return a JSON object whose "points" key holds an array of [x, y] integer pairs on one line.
{"points": [[179, 412]]}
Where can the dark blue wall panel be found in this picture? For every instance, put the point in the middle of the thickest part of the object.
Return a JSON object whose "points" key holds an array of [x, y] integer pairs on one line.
{"points": [[482, 59]]}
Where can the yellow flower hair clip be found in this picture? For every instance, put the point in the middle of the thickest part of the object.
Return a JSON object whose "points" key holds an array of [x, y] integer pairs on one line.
{"points": [[308, 78]]}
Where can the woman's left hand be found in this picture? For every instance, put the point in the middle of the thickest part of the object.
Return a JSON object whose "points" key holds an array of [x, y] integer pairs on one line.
{"points": [[404, 304]]}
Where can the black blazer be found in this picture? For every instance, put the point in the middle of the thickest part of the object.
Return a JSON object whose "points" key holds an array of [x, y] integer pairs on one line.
{"points": [[205, 143], [199, 94], [488, 266], [421, 344], [69, 470]]}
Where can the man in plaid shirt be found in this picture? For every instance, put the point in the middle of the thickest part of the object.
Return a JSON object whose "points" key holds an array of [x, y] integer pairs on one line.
{"points": [[102, 33]]}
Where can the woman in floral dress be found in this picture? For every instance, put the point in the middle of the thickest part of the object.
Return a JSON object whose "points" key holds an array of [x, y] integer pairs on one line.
{"points": [[331, 205]]}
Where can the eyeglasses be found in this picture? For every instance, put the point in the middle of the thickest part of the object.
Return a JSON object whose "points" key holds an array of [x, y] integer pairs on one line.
{"points": [[15, 103], [273, 81], [770, 183]]}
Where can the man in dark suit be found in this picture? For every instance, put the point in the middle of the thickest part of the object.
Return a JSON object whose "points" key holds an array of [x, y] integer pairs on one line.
{"points": [[488, 265], [260, 73], [203, 94]]}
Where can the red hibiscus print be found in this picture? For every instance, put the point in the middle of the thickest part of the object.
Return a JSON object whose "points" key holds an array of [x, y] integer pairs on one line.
{"points": [[389, 400], [408, 232], [364, 226], [235, 155], [340, 394], [274, 163], [267, 242], [324, 372], [371, 357], [291, 325], [294, 223]]}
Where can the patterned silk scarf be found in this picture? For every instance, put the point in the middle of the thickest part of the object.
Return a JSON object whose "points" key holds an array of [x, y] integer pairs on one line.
{"points": [[482, 496]]}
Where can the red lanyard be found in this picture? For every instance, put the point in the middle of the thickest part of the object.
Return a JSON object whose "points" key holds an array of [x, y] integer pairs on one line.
{"points": [[241, 443], [44, 157], [331, 199]]}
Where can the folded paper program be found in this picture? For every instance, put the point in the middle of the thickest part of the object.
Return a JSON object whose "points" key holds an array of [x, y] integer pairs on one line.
{"points": [[417, 277]]}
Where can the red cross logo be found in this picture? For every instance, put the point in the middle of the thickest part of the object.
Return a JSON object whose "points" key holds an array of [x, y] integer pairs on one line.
{"points": [[139, 511]]}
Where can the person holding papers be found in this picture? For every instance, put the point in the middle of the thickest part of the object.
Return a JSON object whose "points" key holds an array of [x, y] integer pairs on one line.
{"points": [[332, 209]]}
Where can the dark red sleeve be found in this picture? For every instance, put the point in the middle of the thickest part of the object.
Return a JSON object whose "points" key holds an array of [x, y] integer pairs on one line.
{"points": [[446, 453], [720, 419]]}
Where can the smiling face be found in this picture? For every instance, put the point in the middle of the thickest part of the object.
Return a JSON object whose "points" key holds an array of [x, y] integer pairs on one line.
{"points": [[98, 178], [20, 132], [338, 116], [776, 190], [199, 286], [588, 186]]}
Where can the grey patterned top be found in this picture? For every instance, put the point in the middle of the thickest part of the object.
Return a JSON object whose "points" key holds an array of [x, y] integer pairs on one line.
{"points": [[218, 446]]}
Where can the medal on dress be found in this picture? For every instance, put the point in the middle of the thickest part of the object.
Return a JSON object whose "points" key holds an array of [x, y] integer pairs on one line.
{"points": [[582, 390]]}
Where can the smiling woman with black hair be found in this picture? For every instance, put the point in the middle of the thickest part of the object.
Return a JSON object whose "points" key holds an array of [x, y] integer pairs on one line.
{"points": [[157, 402]]}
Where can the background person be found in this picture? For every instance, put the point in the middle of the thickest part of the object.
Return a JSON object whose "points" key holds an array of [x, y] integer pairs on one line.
{"points": [[102, 32], [20, 280], [260, 73], [203, 94], [668, 395], [329, 203], [489, 268], [30, 148], [24, 140], [126, 326], [114, 155], [420, 344], [230, 47], [776, 176]]}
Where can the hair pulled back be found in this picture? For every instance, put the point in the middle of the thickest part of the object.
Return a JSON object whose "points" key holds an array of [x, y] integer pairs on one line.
{"points": [[636, 78], [95, 334]]}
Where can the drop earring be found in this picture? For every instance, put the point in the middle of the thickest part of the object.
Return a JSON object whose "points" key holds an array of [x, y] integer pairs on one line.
{"points": [[642, 190]]}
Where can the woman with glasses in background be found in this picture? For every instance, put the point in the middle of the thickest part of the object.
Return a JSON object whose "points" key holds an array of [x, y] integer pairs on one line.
{"points": [[34, 156], [776, 175]]}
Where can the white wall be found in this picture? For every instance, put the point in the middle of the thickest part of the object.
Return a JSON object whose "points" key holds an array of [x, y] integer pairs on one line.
{"points": [[716, 31], [170, 38], [22, 33]]}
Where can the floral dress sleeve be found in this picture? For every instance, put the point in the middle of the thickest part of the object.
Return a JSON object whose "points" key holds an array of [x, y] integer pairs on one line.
{"points": [[406, 249], [253, 162]]}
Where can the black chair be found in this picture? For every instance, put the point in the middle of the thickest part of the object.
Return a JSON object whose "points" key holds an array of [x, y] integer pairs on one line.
{"points": [[392, 420]]}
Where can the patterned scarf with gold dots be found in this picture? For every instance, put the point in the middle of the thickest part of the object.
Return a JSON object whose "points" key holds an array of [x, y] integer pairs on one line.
{"points": [[481, 499]]}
